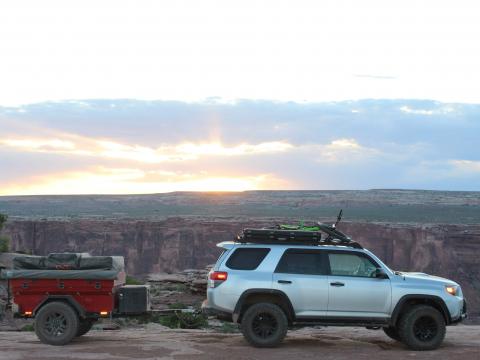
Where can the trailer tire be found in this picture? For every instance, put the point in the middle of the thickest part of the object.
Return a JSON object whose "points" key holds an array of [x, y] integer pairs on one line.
{"points": [[56, 323], [84, 327]]}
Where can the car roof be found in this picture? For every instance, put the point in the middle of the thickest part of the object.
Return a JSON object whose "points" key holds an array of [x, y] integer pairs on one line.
{"points": [[228, 245]]}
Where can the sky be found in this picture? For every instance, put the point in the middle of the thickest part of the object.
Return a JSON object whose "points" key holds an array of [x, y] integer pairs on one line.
{"points": [[271, 50], [150, 96]]}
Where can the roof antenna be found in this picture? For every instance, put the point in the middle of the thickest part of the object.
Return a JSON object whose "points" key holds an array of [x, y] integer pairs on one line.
{"points": [[339, 218]]}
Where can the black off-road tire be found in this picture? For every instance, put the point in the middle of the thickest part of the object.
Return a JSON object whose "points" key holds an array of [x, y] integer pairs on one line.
{"points": [[84, 327], [392, 333], [56, 323], [264, 325], [422, 327]]}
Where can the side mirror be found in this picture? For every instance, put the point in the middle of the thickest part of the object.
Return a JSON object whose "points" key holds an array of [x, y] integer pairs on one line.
{"points": [[380, 274]]}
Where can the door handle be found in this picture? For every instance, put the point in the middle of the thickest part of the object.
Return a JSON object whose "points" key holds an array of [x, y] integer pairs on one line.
{"points": [[284, 282], [337, 283]]}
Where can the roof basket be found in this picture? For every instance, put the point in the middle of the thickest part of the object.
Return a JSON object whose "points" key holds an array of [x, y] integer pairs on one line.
{"points": [[299, 235]]}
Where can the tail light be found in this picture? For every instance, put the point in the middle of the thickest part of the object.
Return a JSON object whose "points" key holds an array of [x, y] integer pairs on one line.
{"points": [[216, 278]]}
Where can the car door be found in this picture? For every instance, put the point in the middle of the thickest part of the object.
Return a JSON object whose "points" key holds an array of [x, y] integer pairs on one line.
{"points": [[302, 275], [354, 291]]}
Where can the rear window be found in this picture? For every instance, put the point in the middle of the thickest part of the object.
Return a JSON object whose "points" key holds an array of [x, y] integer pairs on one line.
{"points": [[247, 258], [297, 261]]}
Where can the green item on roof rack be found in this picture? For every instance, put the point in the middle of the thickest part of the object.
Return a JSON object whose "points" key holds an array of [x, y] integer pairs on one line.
{"points": [[300, 226]]}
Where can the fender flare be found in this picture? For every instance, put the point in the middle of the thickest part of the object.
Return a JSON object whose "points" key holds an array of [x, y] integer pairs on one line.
{"points": [[66, 298], [259, 291], [406, 298]]}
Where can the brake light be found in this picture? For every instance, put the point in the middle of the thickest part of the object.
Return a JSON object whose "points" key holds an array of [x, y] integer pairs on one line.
{"points": [[218, 276]]}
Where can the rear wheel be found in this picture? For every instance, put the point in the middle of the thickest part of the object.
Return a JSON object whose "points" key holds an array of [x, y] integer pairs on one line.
{"points": [[84, 327], [422, 327], [56, 323], [264, 325]]}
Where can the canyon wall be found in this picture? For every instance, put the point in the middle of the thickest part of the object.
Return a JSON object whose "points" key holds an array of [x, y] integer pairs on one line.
{"points": [[179, 243]]}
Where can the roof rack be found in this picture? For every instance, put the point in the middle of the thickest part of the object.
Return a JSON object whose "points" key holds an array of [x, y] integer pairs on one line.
{"points": [[294, 237], [299, 235]]}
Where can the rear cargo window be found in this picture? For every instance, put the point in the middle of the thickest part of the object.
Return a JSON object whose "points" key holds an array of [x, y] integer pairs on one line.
{"points": [[247, 258], [297, 261]]}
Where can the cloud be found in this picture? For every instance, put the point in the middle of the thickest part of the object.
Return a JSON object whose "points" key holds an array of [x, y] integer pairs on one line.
{"points": [[154, 146], [135, 181], [115, 150], [45, 145], [467, 166], [341, 150], [441, 110]]}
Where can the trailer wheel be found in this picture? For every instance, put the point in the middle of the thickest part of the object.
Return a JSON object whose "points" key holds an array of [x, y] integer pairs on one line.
{"points": [[56, 323], [84, 327]]}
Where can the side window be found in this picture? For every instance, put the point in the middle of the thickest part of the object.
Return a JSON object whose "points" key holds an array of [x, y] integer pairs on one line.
{"points": [[247, 258], [297, 261], [349, 264]]}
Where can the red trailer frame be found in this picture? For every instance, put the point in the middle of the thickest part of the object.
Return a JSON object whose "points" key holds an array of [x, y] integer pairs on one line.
{"points": [[90, 298]]}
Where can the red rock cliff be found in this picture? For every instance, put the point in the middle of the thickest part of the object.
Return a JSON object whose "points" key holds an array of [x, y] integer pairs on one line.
{"points": [[452, 251]]}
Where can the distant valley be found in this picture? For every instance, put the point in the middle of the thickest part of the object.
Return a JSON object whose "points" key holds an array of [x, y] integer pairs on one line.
{"points": [[428, 231]]}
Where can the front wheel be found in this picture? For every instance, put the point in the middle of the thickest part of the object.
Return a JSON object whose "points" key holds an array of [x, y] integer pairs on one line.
{"points": [[392, 333], [422, 327], [264, 325], [56, 323]]}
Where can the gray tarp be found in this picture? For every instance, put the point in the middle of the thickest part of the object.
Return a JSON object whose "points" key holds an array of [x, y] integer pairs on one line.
{"points": [[60, 274], [29, 262], [66, 266], [68, 261]]}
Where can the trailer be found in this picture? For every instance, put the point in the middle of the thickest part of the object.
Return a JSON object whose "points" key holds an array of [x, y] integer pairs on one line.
{"points": [[67, 293]]}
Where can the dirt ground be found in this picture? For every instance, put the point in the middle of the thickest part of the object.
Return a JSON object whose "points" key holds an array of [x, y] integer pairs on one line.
{"points": [[462, 342]]}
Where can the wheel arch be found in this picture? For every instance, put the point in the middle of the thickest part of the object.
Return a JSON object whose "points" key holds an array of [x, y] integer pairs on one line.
{"points": [[252, 296], [417, 299], [63, 298]]}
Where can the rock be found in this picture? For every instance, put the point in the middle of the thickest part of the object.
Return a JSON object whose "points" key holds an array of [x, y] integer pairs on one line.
{"points": [[163, 277]]}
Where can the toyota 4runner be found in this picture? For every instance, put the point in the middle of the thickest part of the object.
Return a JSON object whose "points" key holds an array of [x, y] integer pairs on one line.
{"points": [[269, 280]]}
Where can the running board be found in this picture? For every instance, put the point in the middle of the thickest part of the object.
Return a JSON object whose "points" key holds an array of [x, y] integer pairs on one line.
{"points": [[372, 322]]}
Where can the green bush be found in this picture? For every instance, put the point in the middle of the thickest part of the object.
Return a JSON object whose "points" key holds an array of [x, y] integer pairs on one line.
{"points": [[229, 328], [132, 281], [4, 241], [27, 327], [3, 220], [181, 320], [4, 244], [177, 305]]}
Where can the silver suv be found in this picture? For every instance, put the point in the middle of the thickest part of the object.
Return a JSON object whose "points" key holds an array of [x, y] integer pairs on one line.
{"points": [[268, 285]]}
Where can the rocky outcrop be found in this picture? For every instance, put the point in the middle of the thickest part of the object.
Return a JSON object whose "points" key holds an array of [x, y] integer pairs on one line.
{"points": [[179, 243]]}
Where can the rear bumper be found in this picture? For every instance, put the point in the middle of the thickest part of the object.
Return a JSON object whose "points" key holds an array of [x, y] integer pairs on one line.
{"points": [[219, 314]]}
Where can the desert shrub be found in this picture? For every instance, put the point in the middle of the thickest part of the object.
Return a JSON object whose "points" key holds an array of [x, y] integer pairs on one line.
{"points": [[229, 328], [192, 320], [177, 305], [181, 320], [3, 220], [4, 240], [132, 281], [4, 244], [27, 327]]}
